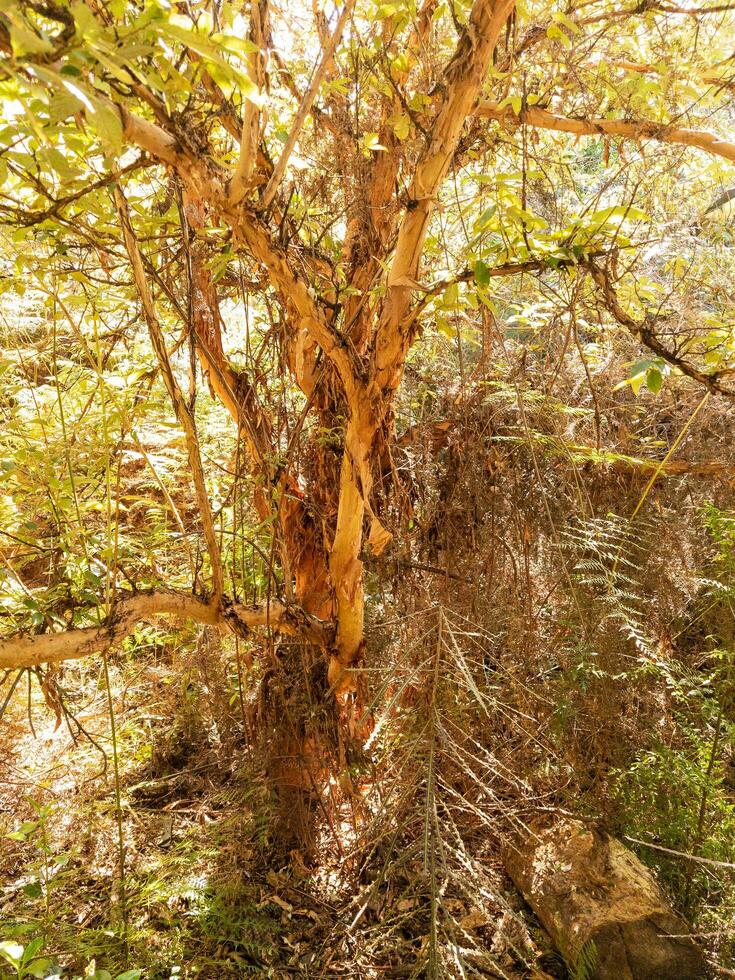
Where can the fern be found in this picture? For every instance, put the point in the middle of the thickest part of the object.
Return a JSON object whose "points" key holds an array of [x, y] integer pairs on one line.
{"points": [[586, 963], [442, 781], [607, 557]]}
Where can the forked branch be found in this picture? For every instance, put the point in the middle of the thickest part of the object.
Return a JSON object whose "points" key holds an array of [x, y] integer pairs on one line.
{"points": [[465, 75], [204, 182]]}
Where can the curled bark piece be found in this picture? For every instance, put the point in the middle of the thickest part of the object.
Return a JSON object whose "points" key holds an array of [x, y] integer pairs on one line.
{"points": [[601, 906]]}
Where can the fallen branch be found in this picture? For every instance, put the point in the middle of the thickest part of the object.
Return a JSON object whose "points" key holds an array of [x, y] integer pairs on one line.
{"points": [[682, 854], [30, 651], [603, 909]]}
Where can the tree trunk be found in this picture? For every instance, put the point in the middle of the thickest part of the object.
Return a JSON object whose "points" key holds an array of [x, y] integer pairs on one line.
{"points": [[601, 906]]}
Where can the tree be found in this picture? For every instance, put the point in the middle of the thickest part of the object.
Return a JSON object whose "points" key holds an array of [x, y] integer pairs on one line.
{"points": [[356, 184]]}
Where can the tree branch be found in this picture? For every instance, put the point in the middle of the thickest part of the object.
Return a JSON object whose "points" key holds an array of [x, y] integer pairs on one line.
{"points": [[371, 227], [250, 137], [643, 129], [465, 75], [304, 108], [29, 218], [643, 333], [295, 292], [504, 269], [205, 183], [74, 644], [183, 413], [149, 137]]}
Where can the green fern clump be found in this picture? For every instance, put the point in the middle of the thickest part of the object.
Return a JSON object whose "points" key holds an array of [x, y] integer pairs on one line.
{"points": [[660, 796], [586, 962], [679, 792], [607, 557]]}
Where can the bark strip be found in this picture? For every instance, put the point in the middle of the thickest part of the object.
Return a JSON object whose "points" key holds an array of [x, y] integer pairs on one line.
{"points": [[183, 413]]}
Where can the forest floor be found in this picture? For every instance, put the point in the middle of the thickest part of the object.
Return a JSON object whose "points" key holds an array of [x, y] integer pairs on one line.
{"points": [[199, 894], [532, 675]]}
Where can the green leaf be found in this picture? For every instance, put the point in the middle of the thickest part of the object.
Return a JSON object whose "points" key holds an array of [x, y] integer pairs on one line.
{"points": [[63, 105], [87, 25], [12, 953], [635, 382], [236, 45], [654, 380], [387, 10], [482, 273], [570, 25], [401, 125], [208, 50], [451, 295], [556, 33], [445, 328], [108, 126], [39, 968], [371, 143], [75, 89], [33, 947], [485, 219], [24, 40], [619, 211]]}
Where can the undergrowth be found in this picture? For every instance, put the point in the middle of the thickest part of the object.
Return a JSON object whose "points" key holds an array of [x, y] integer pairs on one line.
{"points": [[549, 661]]}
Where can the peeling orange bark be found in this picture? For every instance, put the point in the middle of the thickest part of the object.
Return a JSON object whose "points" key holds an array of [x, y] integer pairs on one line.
{"points": [[302, 539], [366, 358]]}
